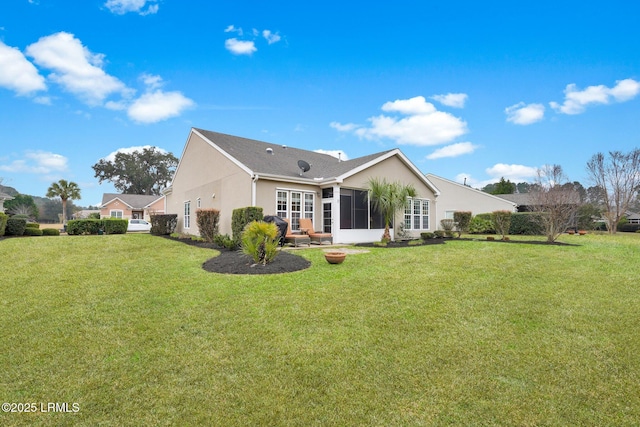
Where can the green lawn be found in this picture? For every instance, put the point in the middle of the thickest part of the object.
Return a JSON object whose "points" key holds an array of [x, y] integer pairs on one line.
{"points": [[468, 333]]}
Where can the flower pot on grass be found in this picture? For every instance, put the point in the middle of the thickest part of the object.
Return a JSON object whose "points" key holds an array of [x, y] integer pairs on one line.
{"points": [[335, 257]]}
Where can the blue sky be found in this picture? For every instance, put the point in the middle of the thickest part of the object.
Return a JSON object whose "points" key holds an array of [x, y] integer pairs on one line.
{"points": [[466, 89]]}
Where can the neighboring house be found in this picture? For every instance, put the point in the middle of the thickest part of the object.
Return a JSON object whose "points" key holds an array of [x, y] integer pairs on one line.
{"points": [[131, 206], [224, 172], [459, 197], [85, 213], [522, 200], [3, 197], [632, 217]]}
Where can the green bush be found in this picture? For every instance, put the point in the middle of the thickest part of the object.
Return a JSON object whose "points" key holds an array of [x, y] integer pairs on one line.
{"points": [[207, 220], [526, 223], [31, 231], [77, 227], [462, 220], [480, 224], [33, 225], [94, 215], [3, 222], [15, 226], [163, 224], [50, 232], [439, 234], [224, 241], [447, 225], [260, 241], [240, 218], [427, 235]]}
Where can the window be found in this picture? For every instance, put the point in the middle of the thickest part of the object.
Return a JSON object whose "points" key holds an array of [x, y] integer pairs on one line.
{"points": [[416, 214], [187, 214], [295, 205], [356, 212], [116, 214]]}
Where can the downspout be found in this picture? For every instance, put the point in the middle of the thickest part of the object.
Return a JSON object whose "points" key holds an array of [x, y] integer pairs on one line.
{"points": [[254, 188]]}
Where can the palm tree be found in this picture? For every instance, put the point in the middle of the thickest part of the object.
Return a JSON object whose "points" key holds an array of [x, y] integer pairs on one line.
{"points": [[65, 190], [388, 198]]}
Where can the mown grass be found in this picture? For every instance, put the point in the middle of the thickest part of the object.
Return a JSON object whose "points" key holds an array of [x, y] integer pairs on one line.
{"points": [[467, 333]]}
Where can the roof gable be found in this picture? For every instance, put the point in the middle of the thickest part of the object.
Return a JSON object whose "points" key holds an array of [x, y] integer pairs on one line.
{"points": [[134, 201]]}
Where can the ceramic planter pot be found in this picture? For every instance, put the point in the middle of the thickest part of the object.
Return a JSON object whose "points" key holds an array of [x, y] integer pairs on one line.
{"points": [[335, 257]]}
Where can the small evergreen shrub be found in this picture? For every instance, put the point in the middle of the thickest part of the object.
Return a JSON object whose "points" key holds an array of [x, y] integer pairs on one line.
{"points": [[94, 215], [50, 232], [439, 234], [479, 224], [15, 226], [3, 222], [224, 241], [207, 220], [427, 235], [526, 223], [33, 225], [240, 218], [163, 224], [114, 225], [260, 241], [32, 231], [462, 220]]}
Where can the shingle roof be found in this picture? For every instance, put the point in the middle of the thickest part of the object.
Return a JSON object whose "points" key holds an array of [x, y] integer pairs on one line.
{"points": [[136, 201], [5, 196], [284, 160]]}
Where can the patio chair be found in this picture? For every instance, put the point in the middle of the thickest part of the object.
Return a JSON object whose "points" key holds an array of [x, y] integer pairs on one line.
{"points": [[316, 236], [294, 238]]}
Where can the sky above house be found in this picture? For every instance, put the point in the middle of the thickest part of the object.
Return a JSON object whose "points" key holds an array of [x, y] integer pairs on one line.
{"points": [[470, 91]]}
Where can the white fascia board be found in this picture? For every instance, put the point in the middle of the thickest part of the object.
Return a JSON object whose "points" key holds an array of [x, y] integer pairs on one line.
{"points": [[472, 189]]}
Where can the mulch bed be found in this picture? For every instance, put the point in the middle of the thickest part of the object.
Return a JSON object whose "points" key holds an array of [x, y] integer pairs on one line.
{"points": [[235, 262], [402, 244]]}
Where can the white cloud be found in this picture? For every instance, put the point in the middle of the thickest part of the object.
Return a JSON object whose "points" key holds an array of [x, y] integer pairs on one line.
{"points": [[338, 154], [17, 73], [423, 126], [37, 162], [151, 81], [515, 173], [453, 150], [240, 47], [456, 100], [156, 106], [576, 101], [270, 37], [348, 127], [233, 29], [120, 7], [75, 68], [523, 114]]}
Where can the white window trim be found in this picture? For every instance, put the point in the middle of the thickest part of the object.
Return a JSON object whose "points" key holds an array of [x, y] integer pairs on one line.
{"points": [[409, 213], [111, 213], [187, 218], [303, 212]]}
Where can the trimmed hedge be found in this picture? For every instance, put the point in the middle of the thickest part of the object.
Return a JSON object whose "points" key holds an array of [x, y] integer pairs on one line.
{"points": [[163, 224], [15, 226], [50, 232], [629, 228], [33, 225], [526, 223], [207, 220], [3, 222], [95, 226], [31, 231], [240, 218]]}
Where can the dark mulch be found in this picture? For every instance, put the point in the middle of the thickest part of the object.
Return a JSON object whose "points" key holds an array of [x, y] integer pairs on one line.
{"points": [[235, 262]]}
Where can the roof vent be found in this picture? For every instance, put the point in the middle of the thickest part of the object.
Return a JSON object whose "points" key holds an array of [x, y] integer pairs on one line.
{"points": [[284, 146], [269, 150]]}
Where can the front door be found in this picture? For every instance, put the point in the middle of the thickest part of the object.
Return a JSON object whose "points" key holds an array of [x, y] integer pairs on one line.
{"points": [[137, 214]]}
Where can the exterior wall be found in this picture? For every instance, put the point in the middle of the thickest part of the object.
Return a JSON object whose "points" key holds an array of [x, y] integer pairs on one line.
{"points": [[458, 197], [156, 207], [206, 176], [266, 196], [116, 205]]}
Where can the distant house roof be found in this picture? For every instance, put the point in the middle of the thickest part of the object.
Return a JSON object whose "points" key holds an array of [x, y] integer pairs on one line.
{"points": [[134, 201], [281, 162], [5, 196], [521, 199]]}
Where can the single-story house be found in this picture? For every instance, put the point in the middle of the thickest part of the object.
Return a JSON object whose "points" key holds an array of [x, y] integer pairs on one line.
{"points": [[225, 172], [131, 206], [3, 197], [84, 213], [459, 197]]}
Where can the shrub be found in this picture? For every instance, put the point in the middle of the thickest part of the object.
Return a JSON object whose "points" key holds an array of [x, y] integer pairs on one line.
{"points": [[15, 226], [629, 228], [208, 220], [50, 232], [3, 222], [163, 224], [526, 223], [479, 224], [224, 241], [33, 225], [501, 221], [427, 235], [94, 215], [31, 231], [447, 225], [462, 220], [260, 241], [240, 218], [439, 234], [77, 227]]}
